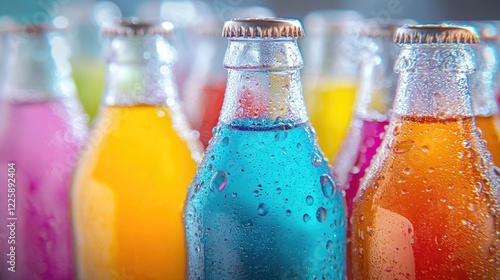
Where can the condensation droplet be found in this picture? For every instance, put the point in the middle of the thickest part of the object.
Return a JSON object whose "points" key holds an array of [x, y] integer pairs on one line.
{"points": [[361, 218], [278, 190], [316, 160], [431, 169], [306, 218], [263, 209], [403, 146], [288, 212], [407, 170], [256, 193], [329, 245], [309, 200], [321, 214], [299, 147], [327, 186], [198, 187], [225, 141], [219, 181], [425, 149]]}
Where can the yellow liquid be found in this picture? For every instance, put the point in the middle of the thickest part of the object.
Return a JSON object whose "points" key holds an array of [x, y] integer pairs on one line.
{"points": [[89, 74], [128, 195], [491, 135], [330, 106]]}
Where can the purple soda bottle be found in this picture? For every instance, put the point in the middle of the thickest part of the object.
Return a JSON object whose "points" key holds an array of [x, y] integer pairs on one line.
{"points": [[41, 132], [371, 116]]}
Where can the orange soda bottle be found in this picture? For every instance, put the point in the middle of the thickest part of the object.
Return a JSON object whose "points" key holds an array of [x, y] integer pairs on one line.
{"points": [[427, 207], [484, 102], [330, 74], [130, 184]]}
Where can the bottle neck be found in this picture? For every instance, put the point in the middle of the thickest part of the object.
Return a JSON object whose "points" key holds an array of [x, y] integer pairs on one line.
{"points": [[434, 81], [36, 67], [140, 71], [377, 87], [484, 102], [264, 86]]}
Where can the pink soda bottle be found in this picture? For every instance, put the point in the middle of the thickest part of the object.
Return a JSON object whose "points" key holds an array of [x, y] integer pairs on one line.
{"points": [[41, 132]]}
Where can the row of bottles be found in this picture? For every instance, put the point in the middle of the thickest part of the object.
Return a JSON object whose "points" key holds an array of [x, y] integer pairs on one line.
{"points": [[413, 191]]}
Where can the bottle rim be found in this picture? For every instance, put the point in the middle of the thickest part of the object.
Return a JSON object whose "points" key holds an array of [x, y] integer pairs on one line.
{"points": [[131, 27], [436, 34], [263, 28]]}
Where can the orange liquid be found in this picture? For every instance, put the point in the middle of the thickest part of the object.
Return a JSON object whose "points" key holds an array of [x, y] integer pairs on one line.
{"points": [[426, 210], [491, 135], [128, 194]]}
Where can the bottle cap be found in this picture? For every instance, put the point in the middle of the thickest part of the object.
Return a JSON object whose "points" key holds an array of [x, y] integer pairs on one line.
{"points": [[488, 31], [135, 27], [382, 27], [31, 29], [436, 34], [262, 27]]}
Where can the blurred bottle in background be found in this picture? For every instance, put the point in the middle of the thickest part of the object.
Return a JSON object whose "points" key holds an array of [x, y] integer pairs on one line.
{"points": [[85, 19], [330, 73], [184, 14], [43, 130], [206, 83], [130, 184], [374, 100]]}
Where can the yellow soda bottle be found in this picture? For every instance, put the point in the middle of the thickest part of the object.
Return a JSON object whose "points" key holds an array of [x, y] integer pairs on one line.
{"points": [[330, 74], [130, 184]]}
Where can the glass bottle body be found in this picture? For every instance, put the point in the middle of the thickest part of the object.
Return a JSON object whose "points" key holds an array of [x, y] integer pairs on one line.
{"points": [[331, 75], [130, 184], [427, 204], [41, 134], [250, 213]]}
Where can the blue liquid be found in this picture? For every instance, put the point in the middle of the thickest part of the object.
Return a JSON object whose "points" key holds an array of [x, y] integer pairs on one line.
{"points": [[263, 206]]}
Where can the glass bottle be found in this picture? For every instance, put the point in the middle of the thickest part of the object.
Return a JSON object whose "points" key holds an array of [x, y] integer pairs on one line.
{"points": [[130, 184], [484, 102], [42, 129], [374, 100], [263, 204], [205, 86], [426, 206], [331, 74]]}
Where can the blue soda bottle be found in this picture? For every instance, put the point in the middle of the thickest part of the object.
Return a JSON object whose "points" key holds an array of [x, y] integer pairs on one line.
{"points": [[263, 204]]}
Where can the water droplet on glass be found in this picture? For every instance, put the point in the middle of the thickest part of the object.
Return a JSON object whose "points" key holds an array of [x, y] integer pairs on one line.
{"points": [[234, 194], [219, 181], [403, 146], [278, 190], [160, 113], [316, 160], [361, 218], [425, 149], [198, 186], [306, 218], [431, 169], [472, 207], [397, 130], [263, 209], [288, 212], [329, 245], [327, 186], [460, 155], [370, 232], [407, 170], [225, 141], [283, 150], [321, 214], [309, 200], [299, 147], [256, 193]]}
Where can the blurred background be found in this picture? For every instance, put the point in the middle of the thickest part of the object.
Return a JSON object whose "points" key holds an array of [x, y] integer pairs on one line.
{"points": [[84, 18]]}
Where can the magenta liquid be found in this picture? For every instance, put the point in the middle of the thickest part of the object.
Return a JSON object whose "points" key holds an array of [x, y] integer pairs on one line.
{"points": [[43, 140], [358, 149]]}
